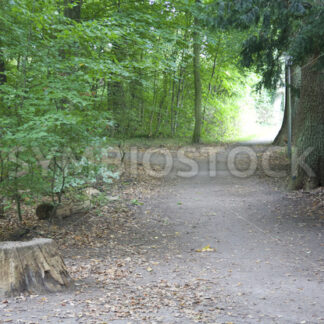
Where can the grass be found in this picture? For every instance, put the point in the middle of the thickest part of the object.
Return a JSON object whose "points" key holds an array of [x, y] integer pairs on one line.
{"points": [[258, 132], [144, 142]]}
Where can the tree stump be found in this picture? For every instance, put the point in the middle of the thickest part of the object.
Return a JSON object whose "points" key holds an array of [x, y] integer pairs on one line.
{"points": [[32, 267]]}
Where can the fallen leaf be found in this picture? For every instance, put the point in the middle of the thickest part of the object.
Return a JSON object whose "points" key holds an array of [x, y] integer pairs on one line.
{"points": [[207, 248]]}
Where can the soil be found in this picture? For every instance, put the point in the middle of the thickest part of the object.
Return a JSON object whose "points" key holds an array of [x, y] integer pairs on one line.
{"points": [[204, 249]]}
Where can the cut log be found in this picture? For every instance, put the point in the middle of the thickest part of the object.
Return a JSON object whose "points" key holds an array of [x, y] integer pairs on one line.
{"points": [[32, 267], [45, 211], [48, 211]]}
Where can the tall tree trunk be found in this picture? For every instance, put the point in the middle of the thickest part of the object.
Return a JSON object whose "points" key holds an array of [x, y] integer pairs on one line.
{"points": [[295, 98], [282, 137], [117, 93], [197, 80], [310, 129], [3, 77], [176, 110], [162, 103], [3, 80], [180, 96], [154, 99], [3, 176], [117, 102], [73, 12], [172, 104]]}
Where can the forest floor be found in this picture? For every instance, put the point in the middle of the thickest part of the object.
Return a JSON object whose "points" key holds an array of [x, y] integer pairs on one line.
{"points": [[204, 249]]}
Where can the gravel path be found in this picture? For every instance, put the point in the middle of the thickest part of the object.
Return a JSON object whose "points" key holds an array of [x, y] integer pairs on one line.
{"points": [[203, 250]]}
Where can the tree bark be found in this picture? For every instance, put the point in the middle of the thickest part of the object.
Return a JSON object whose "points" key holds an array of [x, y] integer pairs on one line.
{"points": [[3, 80], [282, 137], [162, 103], [3, 77], [74, 12], [310, 129], [173, 81], [197, 80], [31, 267]]}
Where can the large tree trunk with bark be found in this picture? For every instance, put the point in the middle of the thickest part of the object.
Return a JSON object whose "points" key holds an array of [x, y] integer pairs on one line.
{"points": [[308, 164], [31, 267], [282, 137]]}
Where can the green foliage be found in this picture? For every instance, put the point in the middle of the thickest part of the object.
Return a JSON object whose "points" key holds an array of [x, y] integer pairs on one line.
{"points": [[74, 74], [50, 108], [276, 28]]}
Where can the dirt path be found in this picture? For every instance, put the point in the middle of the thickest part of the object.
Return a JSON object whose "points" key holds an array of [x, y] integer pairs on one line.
{"points": [[265, 263]]}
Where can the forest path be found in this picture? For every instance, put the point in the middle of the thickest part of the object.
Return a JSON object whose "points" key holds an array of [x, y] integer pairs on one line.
{"points": [[265, 263], [268, 262]]}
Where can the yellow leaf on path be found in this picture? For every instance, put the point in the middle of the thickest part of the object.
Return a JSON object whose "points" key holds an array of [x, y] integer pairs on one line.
{"points": [[206, 249]]}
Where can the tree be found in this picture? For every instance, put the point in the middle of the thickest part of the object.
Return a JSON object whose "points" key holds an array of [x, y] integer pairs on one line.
{"points": [[294, 87], [74, 73], [310, 128], [46, 113], [197, 79], [72, 9], [3, 77], [280, 28]]}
